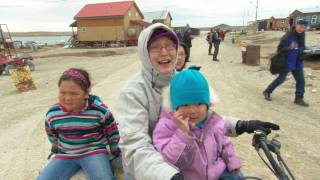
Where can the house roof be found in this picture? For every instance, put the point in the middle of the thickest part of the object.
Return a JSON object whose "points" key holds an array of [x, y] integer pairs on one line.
{"points": [[279, 17], [156, 15], [308, 10], [105, 10], [74, 24], [140, 22]]}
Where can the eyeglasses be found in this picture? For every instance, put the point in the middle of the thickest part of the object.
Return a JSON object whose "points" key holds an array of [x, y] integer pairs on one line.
{"points": [[168, 48]]}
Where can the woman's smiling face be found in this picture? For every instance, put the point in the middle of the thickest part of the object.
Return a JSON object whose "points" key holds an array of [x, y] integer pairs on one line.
{"points": [[163, 53]]}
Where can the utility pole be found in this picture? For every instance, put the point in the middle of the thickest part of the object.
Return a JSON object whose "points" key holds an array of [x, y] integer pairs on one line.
{"points": [[257, 15], [244, 15]]}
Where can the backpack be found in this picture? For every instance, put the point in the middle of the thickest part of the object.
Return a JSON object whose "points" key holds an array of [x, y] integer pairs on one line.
{"points": [[278, 63]]}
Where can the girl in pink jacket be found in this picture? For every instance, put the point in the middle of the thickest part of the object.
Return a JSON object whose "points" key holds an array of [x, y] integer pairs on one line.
{"points": [[191, 136]]}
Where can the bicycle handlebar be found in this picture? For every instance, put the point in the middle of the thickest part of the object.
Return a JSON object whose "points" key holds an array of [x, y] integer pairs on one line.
{"points": [[260, 141]]}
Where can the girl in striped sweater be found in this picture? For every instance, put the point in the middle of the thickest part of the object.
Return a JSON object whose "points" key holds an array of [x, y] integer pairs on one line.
{"points": [[80, 127]]}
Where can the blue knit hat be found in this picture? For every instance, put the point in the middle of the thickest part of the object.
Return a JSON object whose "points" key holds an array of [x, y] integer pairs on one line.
{"points": [[189, 87], [302, 22]]}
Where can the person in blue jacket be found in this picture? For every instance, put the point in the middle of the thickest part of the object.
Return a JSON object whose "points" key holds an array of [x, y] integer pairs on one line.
{"points": [[292, 45]]}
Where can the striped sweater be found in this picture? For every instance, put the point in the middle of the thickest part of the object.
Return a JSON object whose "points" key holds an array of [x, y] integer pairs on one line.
{"points": [[74, 135]]}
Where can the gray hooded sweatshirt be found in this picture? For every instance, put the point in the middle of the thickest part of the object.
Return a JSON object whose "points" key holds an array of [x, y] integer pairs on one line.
{"points": [[137, 114]]}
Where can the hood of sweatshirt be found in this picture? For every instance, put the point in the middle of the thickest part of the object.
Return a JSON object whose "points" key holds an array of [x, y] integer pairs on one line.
{"points": [[157, 79]]}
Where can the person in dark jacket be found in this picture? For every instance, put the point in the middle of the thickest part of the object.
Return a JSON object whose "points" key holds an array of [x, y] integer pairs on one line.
{"points": [[187, 41], [209, 40], [292, 45], [179, 35], [216, 43]]}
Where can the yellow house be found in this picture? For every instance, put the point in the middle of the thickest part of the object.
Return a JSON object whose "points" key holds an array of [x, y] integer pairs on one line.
{"points": [[114, 21]]}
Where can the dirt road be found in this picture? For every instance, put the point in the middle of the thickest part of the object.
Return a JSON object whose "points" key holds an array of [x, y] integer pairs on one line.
{"points": [[24, 145]]}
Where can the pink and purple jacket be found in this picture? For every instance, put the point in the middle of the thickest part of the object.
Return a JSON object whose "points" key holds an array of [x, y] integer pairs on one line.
{"points": [[203, 154]]}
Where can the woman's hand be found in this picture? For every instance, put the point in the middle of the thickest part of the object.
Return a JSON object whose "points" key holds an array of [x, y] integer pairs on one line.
{"points": [[252, 125], [182, 121]]}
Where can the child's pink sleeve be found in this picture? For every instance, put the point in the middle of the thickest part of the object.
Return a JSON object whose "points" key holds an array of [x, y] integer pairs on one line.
{"points": [[176, 147]]}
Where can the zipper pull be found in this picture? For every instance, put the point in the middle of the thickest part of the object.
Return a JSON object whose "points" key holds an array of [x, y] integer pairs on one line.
{"points": [[202, 137]]}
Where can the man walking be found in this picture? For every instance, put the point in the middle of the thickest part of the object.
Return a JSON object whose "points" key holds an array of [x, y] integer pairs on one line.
{"points": [[216, 43], [291, 46]]}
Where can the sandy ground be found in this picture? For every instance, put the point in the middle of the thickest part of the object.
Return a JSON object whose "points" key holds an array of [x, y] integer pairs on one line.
{"points": [[24, 145]]}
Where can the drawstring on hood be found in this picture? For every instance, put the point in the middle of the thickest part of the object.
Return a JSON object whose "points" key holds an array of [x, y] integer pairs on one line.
{"points": [[158, 80], [153, 82]]}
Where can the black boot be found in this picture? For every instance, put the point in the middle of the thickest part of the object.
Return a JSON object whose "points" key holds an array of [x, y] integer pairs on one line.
{"points": [[267, 95], [301, 102]]}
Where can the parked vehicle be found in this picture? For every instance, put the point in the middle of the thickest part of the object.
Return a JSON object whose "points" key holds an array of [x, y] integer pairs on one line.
{"points": [[311, 53], [7, 63]]}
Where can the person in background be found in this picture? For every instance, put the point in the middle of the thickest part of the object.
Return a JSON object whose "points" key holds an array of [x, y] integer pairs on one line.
{"points": [[187, 41], [80, 127], [216, 40], [178, 34], [221, 35], [190, 135], [292, 45], [182, 58], [209, 40]]}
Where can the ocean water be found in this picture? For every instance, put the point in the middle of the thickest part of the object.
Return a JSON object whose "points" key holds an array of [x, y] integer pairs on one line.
{"points": [[50, 40]]}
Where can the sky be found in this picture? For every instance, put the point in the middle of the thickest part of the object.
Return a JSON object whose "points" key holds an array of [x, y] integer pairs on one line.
{"points": [[57, 15]]}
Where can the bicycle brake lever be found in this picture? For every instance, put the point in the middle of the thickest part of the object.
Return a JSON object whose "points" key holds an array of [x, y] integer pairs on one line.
{"points": [[274, 145]]}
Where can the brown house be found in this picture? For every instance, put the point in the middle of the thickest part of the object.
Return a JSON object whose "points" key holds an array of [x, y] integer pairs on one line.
{"points": [[163, 17], [278, 23], [114, 21], [273, 24]]}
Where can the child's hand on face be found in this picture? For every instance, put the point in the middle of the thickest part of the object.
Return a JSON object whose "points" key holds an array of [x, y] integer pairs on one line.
{"points": [[182, 121], [236, 170]]}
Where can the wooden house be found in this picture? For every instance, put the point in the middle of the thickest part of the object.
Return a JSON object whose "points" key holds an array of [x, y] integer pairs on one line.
{"points": [[312, 15], [273, 24], [279, 23], [109, 22]]}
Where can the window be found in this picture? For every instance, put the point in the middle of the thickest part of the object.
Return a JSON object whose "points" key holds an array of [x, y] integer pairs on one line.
{"points": [[314, 19], [129, 13], [82, 29]]}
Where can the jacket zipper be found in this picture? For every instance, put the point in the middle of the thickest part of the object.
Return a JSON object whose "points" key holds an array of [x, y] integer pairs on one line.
{"points": [[204, 147]]}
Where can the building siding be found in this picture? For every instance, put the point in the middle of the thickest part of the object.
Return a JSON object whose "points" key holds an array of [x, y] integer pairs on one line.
{"points": [[307, 17], [100, 29], [109, 29], [132, 14]]}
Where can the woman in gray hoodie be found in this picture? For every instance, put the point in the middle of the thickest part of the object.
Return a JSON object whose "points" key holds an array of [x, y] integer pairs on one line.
{"points": [[140, 104]]}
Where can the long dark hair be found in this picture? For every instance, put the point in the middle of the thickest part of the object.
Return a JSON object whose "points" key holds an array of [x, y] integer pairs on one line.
{"points": [[185, 59]]}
